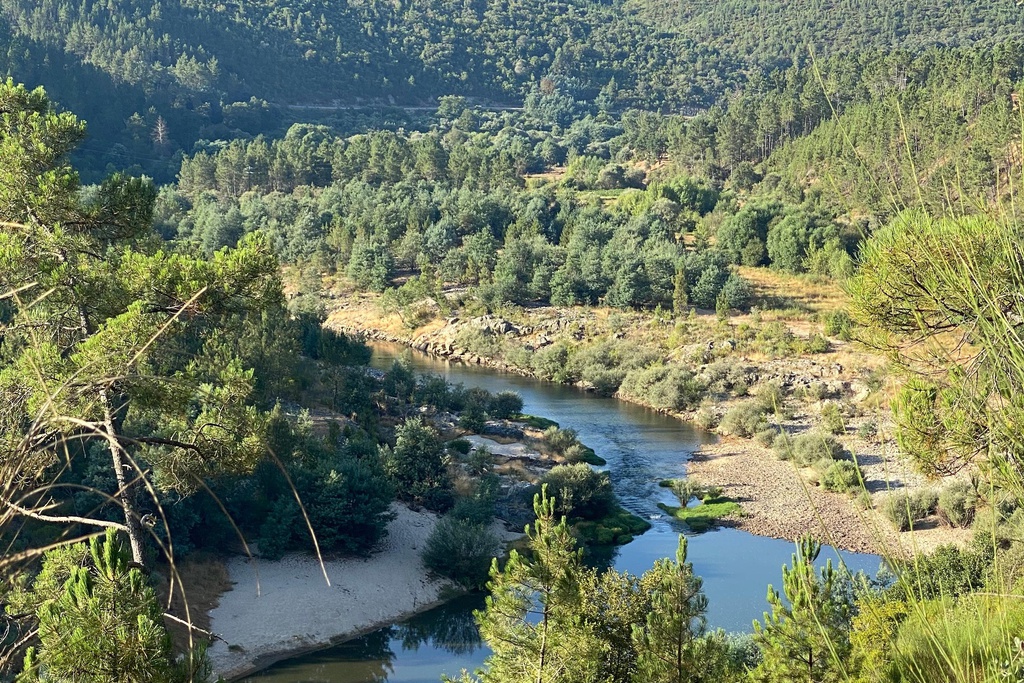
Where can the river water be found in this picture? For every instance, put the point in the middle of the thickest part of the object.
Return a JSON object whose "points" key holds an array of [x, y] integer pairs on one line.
{"points": [[642, 447]]}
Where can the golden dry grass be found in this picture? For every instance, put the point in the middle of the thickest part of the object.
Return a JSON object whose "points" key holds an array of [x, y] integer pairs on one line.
{"points": [[815, 295]]}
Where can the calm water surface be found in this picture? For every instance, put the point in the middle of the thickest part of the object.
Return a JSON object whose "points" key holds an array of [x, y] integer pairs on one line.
{"points": [[642, 447]]}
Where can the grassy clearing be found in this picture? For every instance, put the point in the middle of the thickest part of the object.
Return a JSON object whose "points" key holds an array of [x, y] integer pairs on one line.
{"points": [[704, 516], [540, 423]]}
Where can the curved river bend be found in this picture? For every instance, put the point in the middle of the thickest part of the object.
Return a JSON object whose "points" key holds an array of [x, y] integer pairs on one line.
{"points": [[642, 447]]}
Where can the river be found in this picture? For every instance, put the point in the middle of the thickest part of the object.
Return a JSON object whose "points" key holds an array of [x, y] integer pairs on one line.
{"points": [[642, 447]]}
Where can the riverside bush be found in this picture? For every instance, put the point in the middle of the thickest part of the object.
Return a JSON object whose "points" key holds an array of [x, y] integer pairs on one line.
{"points": [[841, 476], [560, 440], [461, 551], [957, 503], [504, 405], [808, 449], [745, 419], [552, 363], [580, 491], [706, 419], [668, 387], [903, 509], [347, 504]]}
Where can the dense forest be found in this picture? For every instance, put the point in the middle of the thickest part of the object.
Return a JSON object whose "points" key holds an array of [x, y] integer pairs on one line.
{"points": [[156, 78], [168, 387]]}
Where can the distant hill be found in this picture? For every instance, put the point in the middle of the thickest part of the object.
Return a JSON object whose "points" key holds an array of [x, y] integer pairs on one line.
{"points": [[153, 77], [769, 32]]}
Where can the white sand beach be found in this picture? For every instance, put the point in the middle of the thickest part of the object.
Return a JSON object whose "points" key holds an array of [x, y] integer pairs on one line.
{"points": [[290, 608]]}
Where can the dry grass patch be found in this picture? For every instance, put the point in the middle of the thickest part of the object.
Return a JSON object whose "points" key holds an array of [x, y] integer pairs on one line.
{"points": [[205, 580]]}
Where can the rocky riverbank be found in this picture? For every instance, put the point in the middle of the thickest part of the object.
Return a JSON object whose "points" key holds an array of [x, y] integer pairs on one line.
{"points": [[778, 499]]}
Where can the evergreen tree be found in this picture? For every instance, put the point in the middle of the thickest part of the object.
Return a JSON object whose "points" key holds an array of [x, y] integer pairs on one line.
{"points": [[672, 645], [96, 352], [806, 638], [103, 624], [680, 290], [532, 620]]}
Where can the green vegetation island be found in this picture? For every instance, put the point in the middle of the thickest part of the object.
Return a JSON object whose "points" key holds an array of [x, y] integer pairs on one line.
{"points": [[795, 227]]}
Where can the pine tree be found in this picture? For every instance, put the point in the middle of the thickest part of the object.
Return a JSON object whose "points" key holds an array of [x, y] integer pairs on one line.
{"points": [[103, 625], [532, 620], [680, 290], [673, 646], [805, 639], [96, 351]]}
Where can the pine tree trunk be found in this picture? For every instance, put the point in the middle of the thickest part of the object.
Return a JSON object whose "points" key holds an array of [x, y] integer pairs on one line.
{"points": [[125, 491]]}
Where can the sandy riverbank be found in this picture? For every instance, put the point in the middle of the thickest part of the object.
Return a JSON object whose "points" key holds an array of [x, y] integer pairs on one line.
{"points": [[276, 609]]}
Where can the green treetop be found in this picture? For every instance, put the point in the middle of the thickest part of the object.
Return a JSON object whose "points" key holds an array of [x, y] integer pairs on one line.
{"points": [[105, 348]]}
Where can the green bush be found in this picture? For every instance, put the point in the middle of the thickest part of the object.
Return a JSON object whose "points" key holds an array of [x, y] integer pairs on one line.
{"points": [[771, 398], [480, 461], [417, 467], [832, 419], [775, 340], [461, 551], [479, 507], [736, 292], [949, 571], [766, 437], [782, 444], [348, 506], [667, 387], [969, 639], [817, 344], [903, 508], [580, 491], [745, 419], [552, 363], [473, 418], [685, 489], [808, 449], [957, 503], [460, 446], [560, 440], [706, 419], [841, 476], [868, 430], [838, 324], [278, 528], [504, 405]]}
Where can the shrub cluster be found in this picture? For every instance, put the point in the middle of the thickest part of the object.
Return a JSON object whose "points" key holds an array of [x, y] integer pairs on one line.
{"points": [[580, 491], [957, 504], [667, 387], [903, 508], [461, 550], [745, 419]]}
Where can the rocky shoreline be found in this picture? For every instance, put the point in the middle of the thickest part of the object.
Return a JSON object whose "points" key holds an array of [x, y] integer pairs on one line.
{"points": [[777, 500]]}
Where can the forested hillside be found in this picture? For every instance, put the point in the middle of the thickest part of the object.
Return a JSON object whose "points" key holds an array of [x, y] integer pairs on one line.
{"points": [[156, 77], [710, 216], [766, 32]]}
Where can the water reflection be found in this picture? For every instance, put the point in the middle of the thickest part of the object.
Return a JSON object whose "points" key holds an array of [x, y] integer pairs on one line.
{"points": [[450, 627], [442, 641]]}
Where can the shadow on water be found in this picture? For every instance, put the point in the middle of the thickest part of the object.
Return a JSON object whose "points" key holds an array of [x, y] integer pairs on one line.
{"points": [[642, 447], [443, 640]]}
